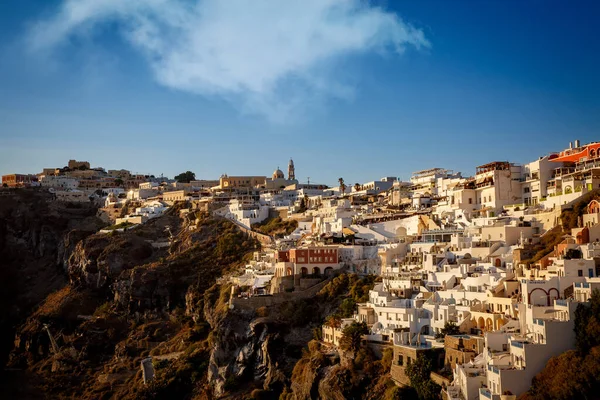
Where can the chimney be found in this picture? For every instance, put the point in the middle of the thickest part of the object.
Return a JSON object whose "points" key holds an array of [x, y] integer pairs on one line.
{"points": [[577, 143], [570, 145]]}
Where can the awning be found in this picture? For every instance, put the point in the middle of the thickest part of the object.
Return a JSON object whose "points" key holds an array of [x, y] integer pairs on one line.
{"points": [[348, 232]]}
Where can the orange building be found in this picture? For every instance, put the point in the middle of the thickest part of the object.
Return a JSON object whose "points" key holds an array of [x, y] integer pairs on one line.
{"points": [[18, 180], [578, 153]]}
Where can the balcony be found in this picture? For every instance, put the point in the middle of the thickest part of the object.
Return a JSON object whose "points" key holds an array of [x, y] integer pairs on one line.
{"points": [[493, 369], [518, 345], [485, 393]]}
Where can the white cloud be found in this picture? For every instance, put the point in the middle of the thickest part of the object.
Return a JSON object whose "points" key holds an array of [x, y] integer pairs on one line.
{"points": [[269, 57]]}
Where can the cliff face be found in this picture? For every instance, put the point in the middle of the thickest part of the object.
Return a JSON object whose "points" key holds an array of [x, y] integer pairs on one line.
{"points": [[118, 298], [36, 234]]}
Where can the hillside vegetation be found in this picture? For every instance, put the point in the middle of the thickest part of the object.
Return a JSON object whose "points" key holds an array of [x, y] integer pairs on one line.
{"points": [[276, 226]]}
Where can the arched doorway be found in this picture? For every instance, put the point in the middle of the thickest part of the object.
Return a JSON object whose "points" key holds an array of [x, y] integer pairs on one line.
{"points": [[303, 271], [328, 271], [552, 295], [539, 297], [500, 322], [481, 323], [316, 271], [489, 325]]}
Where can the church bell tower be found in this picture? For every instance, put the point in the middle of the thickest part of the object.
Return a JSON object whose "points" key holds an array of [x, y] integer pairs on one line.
{"points": [[291, 171]]}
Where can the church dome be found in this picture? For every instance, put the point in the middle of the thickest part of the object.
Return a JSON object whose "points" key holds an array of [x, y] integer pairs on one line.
{"points": [[278, 174]]}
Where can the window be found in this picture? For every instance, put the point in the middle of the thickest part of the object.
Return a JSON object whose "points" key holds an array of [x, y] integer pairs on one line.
{"points": [[400, 359], [579, 272], [470, 201]]}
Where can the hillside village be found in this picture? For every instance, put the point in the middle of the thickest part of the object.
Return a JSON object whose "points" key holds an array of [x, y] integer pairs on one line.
{"points": [[481, 275]]}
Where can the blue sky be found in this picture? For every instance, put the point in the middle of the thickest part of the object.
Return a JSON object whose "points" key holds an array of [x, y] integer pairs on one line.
{"points": [[347, 89]]}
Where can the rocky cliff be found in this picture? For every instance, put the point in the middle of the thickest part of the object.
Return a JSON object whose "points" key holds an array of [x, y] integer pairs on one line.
{"points": [[36, 234]]}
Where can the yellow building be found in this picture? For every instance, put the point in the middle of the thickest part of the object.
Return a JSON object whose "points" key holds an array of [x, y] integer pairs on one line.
{"points": [[235, 182]]}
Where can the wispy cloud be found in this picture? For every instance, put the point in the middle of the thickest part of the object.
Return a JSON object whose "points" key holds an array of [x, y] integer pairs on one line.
{"points": [[267, 57]]}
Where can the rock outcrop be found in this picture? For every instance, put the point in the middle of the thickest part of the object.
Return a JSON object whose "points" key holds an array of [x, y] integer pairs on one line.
{"points": [[97, 260]]}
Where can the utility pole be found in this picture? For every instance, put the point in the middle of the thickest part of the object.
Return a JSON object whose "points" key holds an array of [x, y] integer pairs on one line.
{"points": [[53, 343]]}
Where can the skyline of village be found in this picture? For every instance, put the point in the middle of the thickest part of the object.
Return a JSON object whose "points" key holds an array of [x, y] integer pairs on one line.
{"points": [[303, 177]]}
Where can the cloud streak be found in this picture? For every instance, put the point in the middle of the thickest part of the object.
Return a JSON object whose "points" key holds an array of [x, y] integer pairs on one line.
{"points": [[267, 57]]}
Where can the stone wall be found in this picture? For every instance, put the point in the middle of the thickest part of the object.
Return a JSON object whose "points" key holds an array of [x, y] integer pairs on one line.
{"points": [[255, 302], [461, 349], [439, 379], [455, 356], [378, 348], [404, 355], [264, 240]]}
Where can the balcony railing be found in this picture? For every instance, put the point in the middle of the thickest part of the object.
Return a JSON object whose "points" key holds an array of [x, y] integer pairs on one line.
{"points": [[485, 392], [519, 345]]}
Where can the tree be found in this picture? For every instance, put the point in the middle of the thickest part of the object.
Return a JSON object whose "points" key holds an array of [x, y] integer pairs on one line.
{"points": [[352, 336], [333, 321], [587, 324], [186, 177], [119, 182], [342, 185], [450, 328], [357, 187], [573, 254], [4, 185], [302, 204], [419, 372], [348, 307]]}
